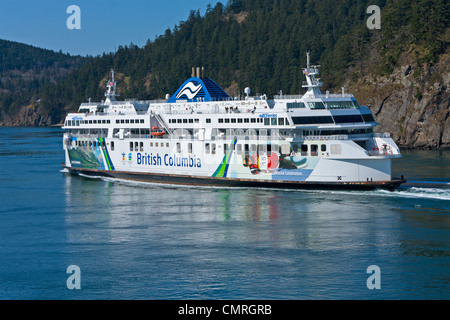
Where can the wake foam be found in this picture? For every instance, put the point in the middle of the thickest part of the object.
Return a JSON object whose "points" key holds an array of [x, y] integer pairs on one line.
{"points": [[419, 192]]}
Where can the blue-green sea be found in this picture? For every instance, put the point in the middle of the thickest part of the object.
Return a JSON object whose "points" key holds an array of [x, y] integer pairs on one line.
{"points": [[146, 241]]}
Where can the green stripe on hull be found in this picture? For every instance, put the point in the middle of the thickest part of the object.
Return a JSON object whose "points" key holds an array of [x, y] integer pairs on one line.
{"points": [[222, 169]]}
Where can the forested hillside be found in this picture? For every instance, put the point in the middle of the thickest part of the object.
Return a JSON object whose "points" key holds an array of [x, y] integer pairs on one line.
{"points": [[25, 70], [401, 70]]}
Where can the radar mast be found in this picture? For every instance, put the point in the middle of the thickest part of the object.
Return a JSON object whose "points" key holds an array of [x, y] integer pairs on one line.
{"points": [[110, 93], [312, 83]]}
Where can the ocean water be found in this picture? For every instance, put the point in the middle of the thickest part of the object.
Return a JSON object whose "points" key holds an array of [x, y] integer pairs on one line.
{"points": [[146, 241]]}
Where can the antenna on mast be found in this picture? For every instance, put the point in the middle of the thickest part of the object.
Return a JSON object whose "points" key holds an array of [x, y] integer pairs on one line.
{"points": [[307, 59]]}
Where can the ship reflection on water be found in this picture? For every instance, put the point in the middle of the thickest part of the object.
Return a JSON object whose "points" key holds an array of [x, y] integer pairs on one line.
{"points": [[167, 242], [121, 210]]}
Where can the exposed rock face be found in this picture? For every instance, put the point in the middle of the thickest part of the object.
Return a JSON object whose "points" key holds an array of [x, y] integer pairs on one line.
{"points": [[413, 108], [30, 116]]}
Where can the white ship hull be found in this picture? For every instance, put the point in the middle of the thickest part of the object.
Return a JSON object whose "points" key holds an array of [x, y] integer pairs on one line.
{"points": [[236, 167]]}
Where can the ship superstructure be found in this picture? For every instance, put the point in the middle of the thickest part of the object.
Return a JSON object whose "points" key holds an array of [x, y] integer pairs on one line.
{"points": [[202, 136]]}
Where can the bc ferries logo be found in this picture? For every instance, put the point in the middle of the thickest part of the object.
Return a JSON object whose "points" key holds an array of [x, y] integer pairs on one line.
{"points": [[190, 90]]}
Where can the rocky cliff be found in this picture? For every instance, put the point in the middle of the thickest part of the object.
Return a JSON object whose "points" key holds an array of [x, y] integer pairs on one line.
{"points": [[34, 115], [412, 103]]}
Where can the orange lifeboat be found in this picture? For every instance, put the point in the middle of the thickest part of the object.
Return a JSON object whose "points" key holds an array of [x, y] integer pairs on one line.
{"points": [[157, 132]]}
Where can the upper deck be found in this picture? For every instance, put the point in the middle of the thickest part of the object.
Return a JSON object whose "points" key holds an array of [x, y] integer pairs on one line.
{"points": [[200, 103]]}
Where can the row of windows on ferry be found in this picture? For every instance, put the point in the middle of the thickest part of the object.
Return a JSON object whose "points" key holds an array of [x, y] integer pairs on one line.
{"points": [[213, 148], [224, 133], [350, 118], [218, 134], [267, 121], [76, 123], [353, 104], [89, 143], [284, 149]]}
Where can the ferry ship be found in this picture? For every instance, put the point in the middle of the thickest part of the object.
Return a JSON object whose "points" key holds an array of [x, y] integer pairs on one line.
{"points": [[202, 136]]}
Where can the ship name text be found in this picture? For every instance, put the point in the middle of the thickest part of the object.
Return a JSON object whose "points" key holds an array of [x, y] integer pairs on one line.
{"points": [[190, 161]]}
